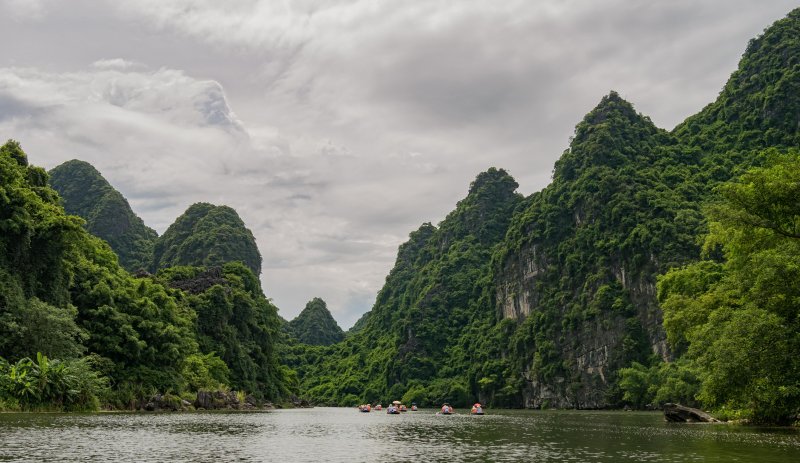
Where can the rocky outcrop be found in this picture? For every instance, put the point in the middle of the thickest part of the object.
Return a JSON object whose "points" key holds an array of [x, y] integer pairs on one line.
{"points": [[677, 413], [590, 348], [165, 402], [297, 402], [206, 400], [221, 400], [201, 282]]}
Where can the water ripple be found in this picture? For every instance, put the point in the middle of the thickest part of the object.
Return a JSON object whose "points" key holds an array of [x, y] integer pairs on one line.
{"points": [[344, 435]]}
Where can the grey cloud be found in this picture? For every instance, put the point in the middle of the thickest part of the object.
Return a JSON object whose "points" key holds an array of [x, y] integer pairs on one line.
{"points": [[11, 107], [336, 127]]}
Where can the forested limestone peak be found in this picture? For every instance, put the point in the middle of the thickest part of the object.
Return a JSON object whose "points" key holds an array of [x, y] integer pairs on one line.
{"points": [[610, 106], [207, 235], [485, 211], [420, 341], [80, 186], [108, 215], [416, 240], [315, 325], [612, 134], [760, 104]]}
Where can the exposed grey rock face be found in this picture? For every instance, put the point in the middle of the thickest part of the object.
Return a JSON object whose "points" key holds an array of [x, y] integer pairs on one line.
{"points": [[579, 262], [592, 350]]}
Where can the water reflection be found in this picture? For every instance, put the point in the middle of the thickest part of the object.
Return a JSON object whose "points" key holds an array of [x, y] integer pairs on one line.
{"points": [[330, 434]]}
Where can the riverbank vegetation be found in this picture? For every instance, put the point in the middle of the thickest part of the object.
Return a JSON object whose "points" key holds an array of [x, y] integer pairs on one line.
{"points": [[66, 302], [735, 316]]}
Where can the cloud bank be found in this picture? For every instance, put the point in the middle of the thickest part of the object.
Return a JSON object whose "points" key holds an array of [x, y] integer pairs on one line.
{"points": [[336, 127]]}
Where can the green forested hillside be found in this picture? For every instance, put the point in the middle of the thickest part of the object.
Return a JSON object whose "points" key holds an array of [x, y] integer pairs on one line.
{"points": [[758, 107], [108, 215], [412, 344], [315, 325], [657, 266], [207, 235], [234, 321], [551, 300], [116, 339], [577, 268]]}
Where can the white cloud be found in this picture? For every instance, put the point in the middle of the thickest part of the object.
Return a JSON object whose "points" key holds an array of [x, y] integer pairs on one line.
{"points": [[167, 140], [117, 63]]}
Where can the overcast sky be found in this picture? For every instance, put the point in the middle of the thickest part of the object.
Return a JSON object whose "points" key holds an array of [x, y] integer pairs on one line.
{"points": [[336, 127]]}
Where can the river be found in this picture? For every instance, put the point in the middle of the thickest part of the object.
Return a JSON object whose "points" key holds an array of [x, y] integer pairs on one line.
{"points": [[345, 435]]}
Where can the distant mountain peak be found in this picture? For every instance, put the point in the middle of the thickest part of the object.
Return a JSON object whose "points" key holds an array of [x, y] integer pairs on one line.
{"points": [[207, 235], [612, 108], [491, 176], [87, 194], [315, 325], [612, 134]]}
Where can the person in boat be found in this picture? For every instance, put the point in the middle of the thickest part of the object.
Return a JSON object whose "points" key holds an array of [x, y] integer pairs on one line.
{"points": [[403, 408], [413, 406], [378, 407], [447, 409], [477, 409]]}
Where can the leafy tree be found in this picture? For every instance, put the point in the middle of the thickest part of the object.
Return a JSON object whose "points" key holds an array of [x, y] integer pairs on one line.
{"points": [[235, 323], [742, 326]]}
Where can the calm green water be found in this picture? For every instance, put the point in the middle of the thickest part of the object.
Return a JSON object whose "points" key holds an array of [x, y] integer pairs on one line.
{"points": [[339, 434]]}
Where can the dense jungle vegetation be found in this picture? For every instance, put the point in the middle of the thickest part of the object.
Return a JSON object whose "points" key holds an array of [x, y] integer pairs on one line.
{"points": [[78, 331], [658, 266], [628, 202]]}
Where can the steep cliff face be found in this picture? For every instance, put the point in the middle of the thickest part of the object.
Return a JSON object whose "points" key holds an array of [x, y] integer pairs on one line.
{"points": [[108, 215], [577, 270]]}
